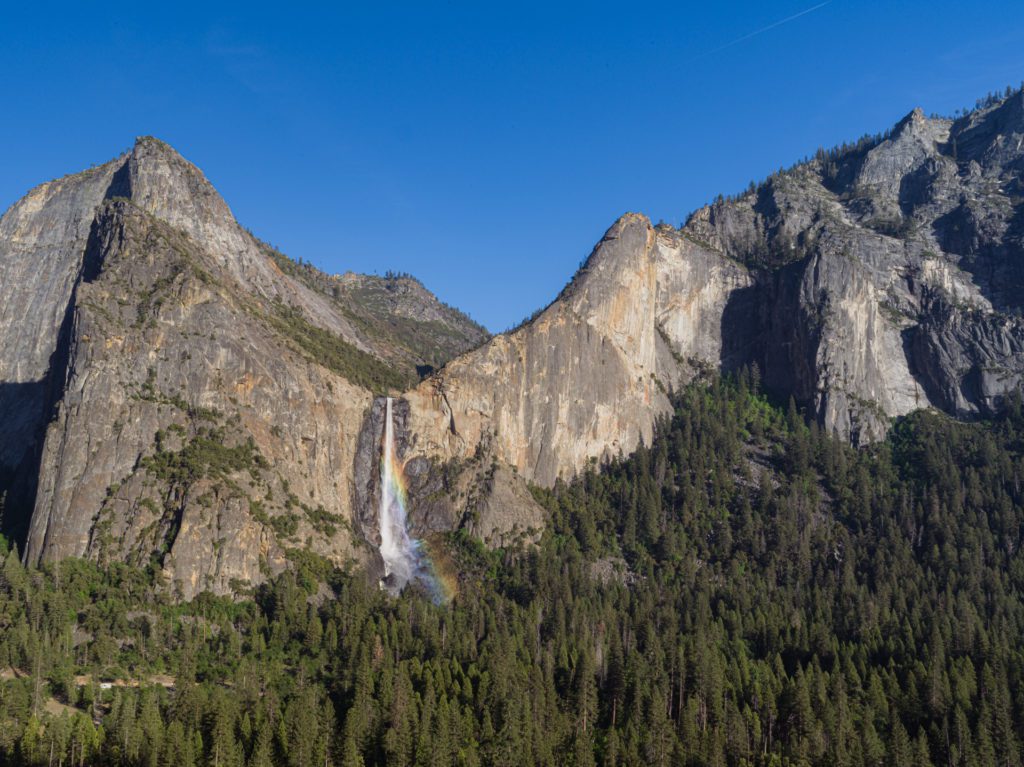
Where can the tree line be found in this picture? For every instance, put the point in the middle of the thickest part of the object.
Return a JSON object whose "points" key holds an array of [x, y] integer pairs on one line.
{"points": [[746, 590]]}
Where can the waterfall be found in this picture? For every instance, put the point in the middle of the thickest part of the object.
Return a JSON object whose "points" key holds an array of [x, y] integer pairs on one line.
{"points": [[397, 549], [405, 558]]}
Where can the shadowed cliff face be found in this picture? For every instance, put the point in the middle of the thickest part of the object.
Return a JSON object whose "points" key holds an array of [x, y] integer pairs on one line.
{"points": [[889, 274], [43, 240]]}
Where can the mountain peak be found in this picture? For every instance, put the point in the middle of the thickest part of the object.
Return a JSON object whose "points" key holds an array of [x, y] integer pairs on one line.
{"points": [[915, 125], [154, 143], [626, 225], [162, 182], [615, 255]]}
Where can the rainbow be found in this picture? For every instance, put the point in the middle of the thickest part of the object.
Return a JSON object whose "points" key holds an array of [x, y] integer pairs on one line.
{"points": [[406, 559]]}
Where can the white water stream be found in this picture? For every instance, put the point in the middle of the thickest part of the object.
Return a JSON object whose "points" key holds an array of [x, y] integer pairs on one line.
{"points": [[399, 551]]}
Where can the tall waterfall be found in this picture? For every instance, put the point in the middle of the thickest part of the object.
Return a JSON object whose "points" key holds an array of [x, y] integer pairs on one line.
{"points": [[399, 551], [405, 558]]}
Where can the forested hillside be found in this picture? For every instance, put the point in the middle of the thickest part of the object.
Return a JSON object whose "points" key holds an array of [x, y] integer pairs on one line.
{"points": [[745, 591]]}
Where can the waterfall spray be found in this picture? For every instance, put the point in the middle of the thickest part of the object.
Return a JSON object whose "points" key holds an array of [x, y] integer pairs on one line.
{"points": [[396, 547], [405, 558]]}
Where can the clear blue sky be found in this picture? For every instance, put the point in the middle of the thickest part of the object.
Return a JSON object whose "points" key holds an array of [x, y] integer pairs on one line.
{"points": [[483, 148]]}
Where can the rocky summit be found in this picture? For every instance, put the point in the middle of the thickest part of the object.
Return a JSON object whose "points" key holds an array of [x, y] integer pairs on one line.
{"points": [[175, 392]]}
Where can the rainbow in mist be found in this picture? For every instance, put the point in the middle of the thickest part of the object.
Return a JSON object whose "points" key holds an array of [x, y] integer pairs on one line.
{"points": [[406, 559]]}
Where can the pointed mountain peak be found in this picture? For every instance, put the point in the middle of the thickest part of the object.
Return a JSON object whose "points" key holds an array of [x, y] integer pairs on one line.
{"points": [[152, 142], [157, 179], [915, 123], [631, 219], [162, 182], [630, 232], [617, 271], [627, 225]]}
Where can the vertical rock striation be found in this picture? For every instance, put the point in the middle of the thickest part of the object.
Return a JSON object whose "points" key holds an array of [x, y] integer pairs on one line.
{"points": [[42, 242]]}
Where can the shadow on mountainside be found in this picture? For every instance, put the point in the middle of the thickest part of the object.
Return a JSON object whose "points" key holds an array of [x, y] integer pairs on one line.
{"points": [[22, 412]]}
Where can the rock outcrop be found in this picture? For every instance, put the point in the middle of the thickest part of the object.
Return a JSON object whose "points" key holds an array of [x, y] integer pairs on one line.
{"points": [[889, 274], [588, 376]]}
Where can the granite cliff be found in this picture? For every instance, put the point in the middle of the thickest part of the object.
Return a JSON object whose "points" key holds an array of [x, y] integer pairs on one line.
{"points": [[888, 274], [174, 391], [867, 282]]}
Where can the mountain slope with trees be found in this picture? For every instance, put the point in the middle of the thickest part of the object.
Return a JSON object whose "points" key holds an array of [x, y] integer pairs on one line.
{"points": [[746, 590]]}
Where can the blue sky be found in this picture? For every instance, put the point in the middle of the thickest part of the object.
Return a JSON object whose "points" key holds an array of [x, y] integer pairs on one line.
{"points": [[482, 147]]}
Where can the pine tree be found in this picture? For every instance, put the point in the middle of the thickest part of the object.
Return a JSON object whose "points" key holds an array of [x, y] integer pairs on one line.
{"points": [[263, 750]]}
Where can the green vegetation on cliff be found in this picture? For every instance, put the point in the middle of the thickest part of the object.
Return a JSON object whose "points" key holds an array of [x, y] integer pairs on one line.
{"points": [[334, 353]]}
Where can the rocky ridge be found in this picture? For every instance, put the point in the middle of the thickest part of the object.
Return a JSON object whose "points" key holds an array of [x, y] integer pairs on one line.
{"points": [[216, 409], [868, 282]]}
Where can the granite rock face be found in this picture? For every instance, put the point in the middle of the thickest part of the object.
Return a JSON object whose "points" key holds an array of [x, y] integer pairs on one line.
{"points": [[42, 241], [587, 377], [866, 283], [175, 392], [889, 274], [174, 395], [187, 430]]}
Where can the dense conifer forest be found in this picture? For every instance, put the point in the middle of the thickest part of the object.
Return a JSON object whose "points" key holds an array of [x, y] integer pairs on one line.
{"points": [[745, 591]]}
